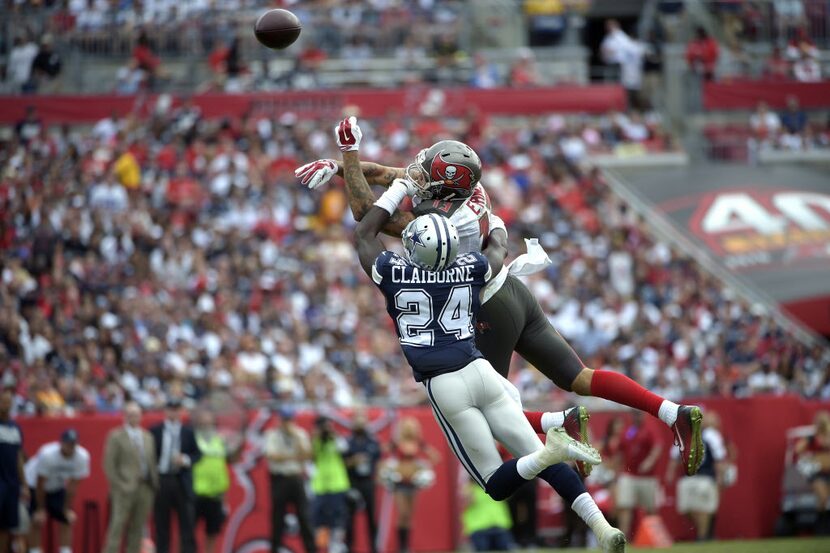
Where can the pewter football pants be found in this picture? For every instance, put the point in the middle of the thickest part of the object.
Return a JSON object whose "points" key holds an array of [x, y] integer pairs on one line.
{"points": [[473, 408]]}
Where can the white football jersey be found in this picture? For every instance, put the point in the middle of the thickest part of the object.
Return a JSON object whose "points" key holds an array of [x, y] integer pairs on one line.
{"points": [[57, 469], [472, 217]]}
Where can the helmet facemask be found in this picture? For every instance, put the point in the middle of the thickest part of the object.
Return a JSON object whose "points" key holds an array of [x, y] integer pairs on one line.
{"points": [[419, 177]]}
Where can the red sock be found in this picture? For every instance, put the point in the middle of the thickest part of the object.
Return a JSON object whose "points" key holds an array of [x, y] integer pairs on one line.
{"points": [[535, 420], [618, 387]]}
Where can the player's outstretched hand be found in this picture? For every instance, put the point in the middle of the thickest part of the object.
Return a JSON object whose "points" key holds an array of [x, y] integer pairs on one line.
{"points": [[317, 173], [348, 134]]}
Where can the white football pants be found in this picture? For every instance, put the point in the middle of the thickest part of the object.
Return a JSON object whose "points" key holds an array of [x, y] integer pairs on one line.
{"points": [[473, 408]]}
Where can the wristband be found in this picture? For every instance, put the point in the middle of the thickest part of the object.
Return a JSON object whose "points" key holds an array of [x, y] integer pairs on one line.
{"points": [[393, 196]]}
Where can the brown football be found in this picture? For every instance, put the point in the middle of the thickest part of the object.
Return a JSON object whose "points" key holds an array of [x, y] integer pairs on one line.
{"points": [[277, 29]]}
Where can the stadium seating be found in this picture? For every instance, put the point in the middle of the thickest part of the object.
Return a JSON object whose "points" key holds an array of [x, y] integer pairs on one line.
{"points": [[183, 261]]}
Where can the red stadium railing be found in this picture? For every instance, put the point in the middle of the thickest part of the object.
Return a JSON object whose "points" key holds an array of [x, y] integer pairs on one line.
{"points": [[746, 94], [369, 102]]}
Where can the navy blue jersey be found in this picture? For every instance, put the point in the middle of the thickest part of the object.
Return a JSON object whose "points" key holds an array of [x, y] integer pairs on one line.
{"points": [[434, 311], [11, 440]]}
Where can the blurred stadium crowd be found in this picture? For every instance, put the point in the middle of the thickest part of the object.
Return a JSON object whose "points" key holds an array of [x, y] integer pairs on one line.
{"points": [[165, 256], [407, 42], [792, 129], [430, 39]]}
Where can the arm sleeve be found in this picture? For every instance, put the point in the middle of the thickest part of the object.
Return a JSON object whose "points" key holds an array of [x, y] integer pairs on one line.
{"points": [[381, 268], [377, 275]]}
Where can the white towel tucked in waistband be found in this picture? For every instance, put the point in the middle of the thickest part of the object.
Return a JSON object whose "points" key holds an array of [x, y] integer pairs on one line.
{"points": [[535, 260]]}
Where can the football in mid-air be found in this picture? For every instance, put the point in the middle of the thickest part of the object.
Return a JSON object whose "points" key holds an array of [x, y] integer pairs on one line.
{"points": [[277, 29]]}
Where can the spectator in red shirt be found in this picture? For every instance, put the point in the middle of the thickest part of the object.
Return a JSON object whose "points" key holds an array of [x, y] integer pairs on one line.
{"points": [[637, 483], [523, 72], [702, 55], [145, 60], [216, 62], [183, 191]]}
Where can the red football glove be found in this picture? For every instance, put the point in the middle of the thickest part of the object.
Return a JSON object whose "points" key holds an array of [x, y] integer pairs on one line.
{"points": [[348, 135], [317, 173]]}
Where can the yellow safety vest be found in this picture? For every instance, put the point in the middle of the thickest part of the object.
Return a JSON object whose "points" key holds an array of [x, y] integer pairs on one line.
{"points": [[210, 473], [484, 512], [330, 475]]}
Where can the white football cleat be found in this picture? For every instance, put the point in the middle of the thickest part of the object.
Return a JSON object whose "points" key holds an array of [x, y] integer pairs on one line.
{"points": [[612, 540], [560, 447]]}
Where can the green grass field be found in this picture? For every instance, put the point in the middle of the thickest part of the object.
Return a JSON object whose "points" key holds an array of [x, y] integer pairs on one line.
{"points": [[800, 545]]}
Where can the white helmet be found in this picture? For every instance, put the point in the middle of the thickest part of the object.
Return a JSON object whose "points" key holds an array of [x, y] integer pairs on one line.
{"points": [[431, 242]]}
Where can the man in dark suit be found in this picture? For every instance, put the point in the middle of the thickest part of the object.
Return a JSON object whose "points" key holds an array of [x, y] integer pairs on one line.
{"points": [[176, 452]]}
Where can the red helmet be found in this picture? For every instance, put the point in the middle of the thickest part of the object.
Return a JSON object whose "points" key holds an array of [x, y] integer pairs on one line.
{"points": [[447, 169]]}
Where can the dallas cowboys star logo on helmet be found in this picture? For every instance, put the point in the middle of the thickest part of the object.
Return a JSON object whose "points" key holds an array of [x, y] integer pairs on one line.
{"points": [[415, 236]]}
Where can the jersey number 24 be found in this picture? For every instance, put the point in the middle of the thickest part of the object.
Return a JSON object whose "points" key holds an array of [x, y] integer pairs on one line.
{"points": [[416, 317]]}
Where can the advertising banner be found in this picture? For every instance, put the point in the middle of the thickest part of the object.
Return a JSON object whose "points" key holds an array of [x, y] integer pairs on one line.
{"points": [[770, 225]]}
